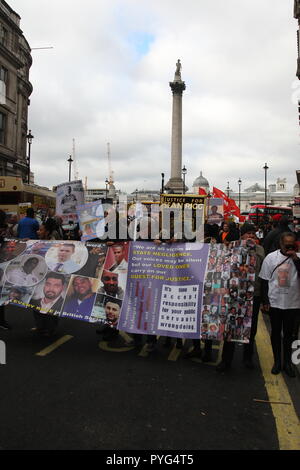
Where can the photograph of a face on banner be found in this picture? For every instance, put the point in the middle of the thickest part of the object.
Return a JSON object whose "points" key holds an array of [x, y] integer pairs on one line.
{"points": [[15, 294], [9, 250], [26, 270], [117, 262], [80, 296], [66, 257], [49, 295], [106, 310]]}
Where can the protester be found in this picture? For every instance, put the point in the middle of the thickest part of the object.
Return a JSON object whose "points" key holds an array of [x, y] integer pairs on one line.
{"points": [[280, 273], [47, 230], [13, 226], [28, 226], [247, 233], [271, 241], [224, 232]]}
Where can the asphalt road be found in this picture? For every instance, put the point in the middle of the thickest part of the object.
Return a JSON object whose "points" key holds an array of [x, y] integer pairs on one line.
{"points": [[80, 396]]}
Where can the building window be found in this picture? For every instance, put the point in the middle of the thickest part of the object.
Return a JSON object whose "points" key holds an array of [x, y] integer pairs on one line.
{"points": [[3, 35], [3, 74], [3, 84], [2, 128]]}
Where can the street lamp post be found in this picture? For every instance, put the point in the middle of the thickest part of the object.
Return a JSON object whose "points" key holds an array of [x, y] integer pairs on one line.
{"points": [[240, 183], [29, 138], [70, 160], [184, 172], [106, 185], [228, 189], [162, 183], [136, 191], [266, 169]]}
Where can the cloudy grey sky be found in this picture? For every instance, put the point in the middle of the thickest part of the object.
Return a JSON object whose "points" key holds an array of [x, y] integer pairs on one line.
{"points": [[107, 80]]}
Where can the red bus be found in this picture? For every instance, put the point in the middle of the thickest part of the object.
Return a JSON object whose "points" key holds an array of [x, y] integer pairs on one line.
{"points": [[260, 213]]}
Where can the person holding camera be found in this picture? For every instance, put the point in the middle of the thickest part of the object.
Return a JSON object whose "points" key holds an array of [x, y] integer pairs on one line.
{"points": [[280, 274]]}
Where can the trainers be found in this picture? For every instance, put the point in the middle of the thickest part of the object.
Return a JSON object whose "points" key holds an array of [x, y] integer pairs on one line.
{"points": [[5, 326], [223, 366]]}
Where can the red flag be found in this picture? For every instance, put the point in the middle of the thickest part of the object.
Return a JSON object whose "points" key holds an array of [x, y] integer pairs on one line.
{"points": [[230, 207], [202, 192]]}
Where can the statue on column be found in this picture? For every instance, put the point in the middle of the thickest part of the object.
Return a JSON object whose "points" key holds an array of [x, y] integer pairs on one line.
{"points": [[178, 70], [297, 9]]}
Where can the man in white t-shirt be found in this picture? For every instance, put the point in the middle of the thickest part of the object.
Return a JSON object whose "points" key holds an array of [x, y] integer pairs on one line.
{"points": [[280, 273]]}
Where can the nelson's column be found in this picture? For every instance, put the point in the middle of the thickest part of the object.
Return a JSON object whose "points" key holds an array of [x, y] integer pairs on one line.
{"points": [[175, 184]]}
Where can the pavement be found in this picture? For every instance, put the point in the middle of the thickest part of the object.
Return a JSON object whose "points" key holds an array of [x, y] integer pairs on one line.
{"points": [[76, 391]]}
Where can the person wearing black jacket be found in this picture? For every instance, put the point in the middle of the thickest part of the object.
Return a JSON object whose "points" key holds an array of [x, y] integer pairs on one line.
{"points": [[271, 241]]}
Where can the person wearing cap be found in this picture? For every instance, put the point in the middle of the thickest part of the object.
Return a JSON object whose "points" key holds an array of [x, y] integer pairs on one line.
{"points": [[247, 233]]}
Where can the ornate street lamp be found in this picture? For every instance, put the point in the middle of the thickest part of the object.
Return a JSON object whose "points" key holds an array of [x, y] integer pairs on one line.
{"points": [[29, 138], [184, 172], [70, 160], [240, 183], [162, 183], [106, 186], [266, 169], [228, 189]]}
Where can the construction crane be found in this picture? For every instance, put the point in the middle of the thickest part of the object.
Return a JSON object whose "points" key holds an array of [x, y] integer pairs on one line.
{"points": [[110, 171], [76, 175]]}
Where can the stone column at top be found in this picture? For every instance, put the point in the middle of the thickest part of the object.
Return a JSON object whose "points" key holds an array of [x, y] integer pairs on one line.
{"points": [[297, 16], [175, 184]]}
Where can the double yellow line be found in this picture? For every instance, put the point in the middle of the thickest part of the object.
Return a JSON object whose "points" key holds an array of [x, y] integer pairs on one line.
{"points": [[287, 422]]}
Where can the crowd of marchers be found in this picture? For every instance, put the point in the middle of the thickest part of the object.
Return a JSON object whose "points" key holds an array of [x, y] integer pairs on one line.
{"points": [[276, 291]]}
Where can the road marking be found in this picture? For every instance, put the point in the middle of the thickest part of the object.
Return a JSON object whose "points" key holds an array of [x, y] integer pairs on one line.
{"points": [[144, 351], [175, 353], [128, 339], [104, 346], [286, 419], [54, 345]]}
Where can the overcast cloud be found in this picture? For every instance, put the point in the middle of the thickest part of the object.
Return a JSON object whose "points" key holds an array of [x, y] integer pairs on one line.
{"points": [[107, 80]]}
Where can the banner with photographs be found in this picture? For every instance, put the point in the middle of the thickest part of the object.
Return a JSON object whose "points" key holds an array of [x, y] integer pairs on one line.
{"points": [[184, 290], [228, 292], [85, 281], [91, 220], [68, 196]]}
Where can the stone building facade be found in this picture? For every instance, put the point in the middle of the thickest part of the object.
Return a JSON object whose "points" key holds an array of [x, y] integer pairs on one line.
{"points": [[15, 90]]}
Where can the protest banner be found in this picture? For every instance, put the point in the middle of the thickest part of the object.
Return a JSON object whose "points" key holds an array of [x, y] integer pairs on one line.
{"points": [[68, 196], [182, 215], [91, 220], [215, 211], [164, 289], [184, 290]]}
